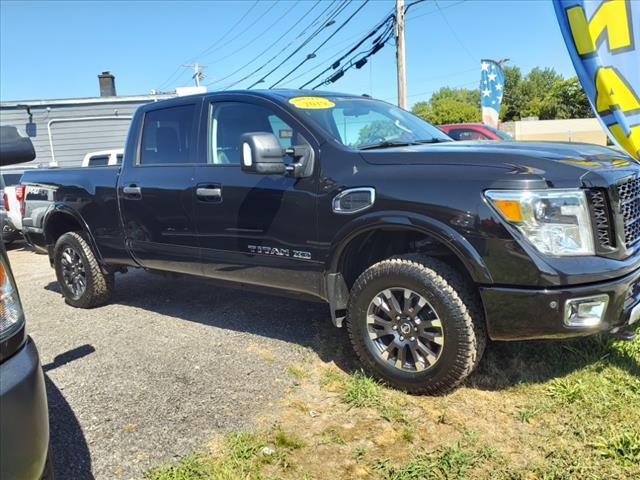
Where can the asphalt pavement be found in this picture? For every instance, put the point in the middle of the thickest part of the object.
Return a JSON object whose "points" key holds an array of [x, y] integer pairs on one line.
{"points": [[164, 367]]}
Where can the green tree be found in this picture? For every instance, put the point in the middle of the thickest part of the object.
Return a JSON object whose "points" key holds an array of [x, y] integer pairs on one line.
{"points": [[512, 100], [449, 105], [377, 129], [542, 93]]}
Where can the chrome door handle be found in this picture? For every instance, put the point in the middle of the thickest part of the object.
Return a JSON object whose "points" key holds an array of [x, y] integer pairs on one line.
{"points": [[132, 191], [209, 192]]}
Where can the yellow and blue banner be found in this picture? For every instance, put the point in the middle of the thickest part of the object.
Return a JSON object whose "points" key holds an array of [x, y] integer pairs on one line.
{"points": [[603, 39]]}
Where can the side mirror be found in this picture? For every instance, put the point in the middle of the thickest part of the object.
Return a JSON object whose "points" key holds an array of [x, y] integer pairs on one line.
{"points": [[260, 152], [14, 148]]}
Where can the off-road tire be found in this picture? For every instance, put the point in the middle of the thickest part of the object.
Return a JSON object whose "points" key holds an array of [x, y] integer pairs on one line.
{"points": [[99, 285], [457, 305]]}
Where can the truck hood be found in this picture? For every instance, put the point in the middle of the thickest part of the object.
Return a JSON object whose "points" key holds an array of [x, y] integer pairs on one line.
{"points": [[560, 164]]}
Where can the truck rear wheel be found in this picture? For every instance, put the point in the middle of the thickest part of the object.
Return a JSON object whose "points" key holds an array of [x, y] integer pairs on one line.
{"points": [[416, 324], [81, 279]]}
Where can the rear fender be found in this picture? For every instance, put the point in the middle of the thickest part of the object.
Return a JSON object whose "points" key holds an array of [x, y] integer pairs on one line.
{"points": [[58, 211]]}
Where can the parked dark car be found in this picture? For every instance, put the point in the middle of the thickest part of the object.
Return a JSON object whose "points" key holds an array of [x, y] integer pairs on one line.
{"points": [[24, 417], [474, 131], [422, 246]]}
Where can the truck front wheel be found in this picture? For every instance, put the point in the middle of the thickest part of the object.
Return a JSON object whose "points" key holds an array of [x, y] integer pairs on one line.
{"points": [[416, 324], [81, 279]]}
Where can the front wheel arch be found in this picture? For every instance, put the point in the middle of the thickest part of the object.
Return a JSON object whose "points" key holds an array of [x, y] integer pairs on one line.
{"points": [[351, 236]]}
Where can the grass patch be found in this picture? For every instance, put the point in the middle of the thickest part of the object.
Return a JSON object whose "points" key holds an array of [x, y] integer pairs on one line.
{"points": [[331, 435], [543, 411], [448, 462], [284, 440], [525, 414], [361, 391], [298, 373], [566, 390]]}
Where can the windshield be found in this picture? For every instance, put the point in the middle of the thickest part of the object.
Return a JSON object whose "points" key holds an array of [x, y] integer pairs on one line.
{"points": [[11, 179], [366, 123], [500, 133]]}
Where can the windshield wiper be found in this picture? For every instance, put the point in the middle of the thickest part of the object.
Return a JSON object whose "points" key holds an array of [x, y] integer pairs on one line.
{"points": [[397, 143], [432, 140], [386, 144]]}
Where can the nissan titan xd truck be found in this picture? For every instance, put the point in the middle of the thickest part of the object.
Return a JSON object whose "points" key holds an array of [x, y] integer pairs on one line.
{"points": [[422, 247]]}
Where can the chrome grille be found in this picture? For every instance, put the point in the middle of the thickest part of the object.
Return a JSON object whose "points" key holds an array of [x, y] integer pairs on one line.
{"points": [[629, 194], [600, 214]]}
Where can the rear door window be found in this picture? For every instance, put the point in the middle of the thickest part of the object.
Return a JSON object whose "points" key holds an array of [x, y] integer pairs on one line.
{"points": [[168, 136], [99, 161]]}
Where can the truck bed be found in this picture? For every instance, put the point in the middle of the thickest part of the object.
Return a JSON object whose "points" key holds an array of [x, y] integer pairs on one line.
{"points": [[87, 194]]}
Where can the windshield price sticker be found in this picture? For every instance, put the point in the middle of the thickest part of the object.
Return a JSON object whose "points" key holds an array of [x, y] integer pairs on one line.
{"points": [[311, 102]]}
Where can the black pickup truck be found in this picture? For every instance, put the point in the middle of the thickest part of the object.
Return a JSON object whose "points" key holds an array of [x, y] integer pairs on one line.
{"points": [[422, 246]]}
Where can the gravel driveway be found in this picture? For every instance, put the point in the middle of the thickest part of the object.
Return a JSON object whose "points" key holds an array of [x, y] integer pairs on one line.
{"points": [[163, 367]]}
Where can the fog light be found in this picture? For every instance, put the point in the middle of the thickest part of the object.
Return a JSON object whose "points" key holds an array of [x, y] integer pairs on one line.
{"points": [[585, 312]]}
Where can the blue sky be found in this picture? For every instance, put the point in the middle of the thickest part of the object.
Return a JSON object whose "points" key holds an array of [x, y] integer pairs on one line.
{"points": [[56, 49]]}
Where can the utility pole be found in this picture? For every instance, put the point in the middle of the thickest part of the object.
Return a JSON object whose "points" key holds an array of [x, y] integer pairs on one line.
{"points": [[197, 74], [400, 63]]}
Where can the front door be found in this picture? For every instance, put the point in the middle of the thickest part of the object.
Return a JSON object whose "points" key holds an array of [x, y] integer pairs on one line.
{"points": [[156, 191], [256, 229]]}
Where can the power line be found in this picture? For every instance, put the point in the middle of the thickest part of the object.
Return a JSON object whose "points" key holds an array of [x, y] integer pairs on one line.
{"points": [[329, 60], [377, 45], [179, 69], [283, 49], [197, 73], [285, 33], [436, 10], [335, 64], [313, 54], [259, 36], [214, 44], [455, 35], [330, 21], [359, 60]]}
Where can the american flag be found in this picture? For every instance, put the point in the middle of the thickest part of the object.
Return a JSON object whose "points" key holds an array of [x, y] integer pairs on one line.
{"points": [[491, 91]]}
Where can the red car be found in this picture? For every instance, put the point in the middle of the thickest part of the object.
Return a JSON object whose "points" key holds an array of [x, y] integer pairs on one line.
{"points": [[474, 131]]}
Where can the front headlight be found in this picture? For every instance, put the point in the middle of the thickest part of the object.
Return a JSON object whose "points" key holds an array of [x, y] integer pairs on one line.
{"points": [[556, 222], [11, 316]]}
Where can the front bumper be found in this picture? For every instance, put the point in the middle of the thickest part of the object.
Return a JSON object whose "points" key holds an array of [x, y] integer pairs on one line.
{"points": [[24, 418], [522, 314]]}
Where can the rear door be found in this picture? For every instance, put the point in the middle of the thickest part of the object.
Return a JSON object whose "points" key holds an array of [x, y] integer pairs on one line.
{"points": [[156, 190], [257, 229]]}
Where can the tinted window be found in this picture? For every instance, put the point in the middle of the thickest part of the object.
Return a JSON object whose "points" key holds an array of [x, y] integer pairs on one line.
{"points": [[100, 161], [167, 136], [11, 179], [118, 159], [466, 134], [229, 121], [500, 133]]}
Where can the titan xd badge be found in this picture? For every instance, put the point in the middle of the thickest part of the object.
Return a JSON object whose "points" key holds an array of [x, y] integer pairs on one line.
{"points": [[279, 252]]}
